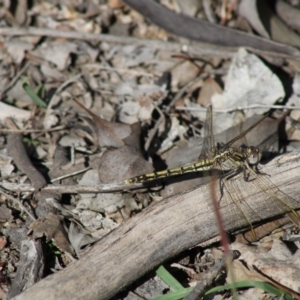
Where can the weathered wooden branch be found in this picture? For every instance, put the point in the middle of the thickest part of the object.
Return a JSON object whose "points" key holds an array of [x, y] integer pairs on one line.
{"points": [[158, 233], [194, 49]]}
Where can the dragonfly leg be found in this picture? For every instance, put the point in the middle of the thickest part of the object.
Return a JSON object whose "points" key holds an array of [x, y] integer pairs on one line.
{"points": [[231, 173], [257, 171], [221, 188]]}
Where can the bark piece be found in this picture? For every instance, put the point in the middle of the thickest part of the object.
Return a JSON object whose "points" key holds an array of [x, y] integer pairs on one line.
{"points": [[31, 267]]}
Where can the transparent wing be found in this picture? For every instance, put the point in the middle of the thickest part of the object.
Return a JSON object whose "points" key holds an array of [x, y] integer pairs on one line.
{"points": [[242, 134], [245, 203], [274, 197], [235, 199], [209, 141]]}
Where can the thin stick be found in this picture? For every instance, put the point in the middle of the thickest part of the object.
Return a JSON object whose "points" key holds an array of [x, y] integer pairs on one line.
{"points": [[18, 201], [240, 108], [71, 174], [14, 80], [71, 189], [57, 128]]}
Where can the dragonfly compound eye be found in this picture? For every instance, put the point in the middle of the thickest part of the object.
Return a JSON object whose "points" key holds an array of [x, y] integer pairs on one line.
{"points": [[253, 155]]}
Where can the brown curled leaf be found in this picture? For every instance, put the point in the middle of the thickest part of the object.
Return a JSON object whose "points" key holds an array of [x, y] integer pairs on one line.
{"points": [[109, 134], [51, 227], [18, 152]]}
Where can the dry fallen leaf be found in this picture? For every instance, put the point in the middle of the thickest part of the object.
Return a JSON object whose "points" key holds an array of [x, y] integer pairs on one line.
{"points": [[273, 263], [119, 164], [209, 88], [249, 82], [269, 26], [289, 14], [125, 162], [184, 72], [17, 49], [51, 227], [5, 214], [18, 114], [58, 53], [80, 237], [109, 134]]}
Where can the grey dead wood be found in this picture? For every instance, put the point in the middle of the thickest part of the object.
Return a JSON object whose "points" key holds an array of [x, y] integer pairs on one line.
{"points": [[30, 267], [31, 264], [158, 233], [194, 49]]}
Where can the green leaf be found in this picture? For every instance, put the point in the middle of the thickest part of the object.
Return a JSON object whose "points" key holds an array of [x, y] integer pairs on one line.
{"points": [[40, 90], [53, 248], [30, 92], [31, 142]]}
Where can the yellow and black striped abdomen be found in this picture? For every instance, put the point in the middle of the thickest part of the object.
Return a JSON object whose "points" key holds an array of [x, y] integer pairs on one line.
{"points": [[202, 165]]}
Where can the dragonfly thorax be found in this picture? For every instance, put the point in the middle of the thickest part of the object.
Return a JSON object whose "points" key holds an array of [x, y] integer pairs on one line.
{"points": [[229, 159]]}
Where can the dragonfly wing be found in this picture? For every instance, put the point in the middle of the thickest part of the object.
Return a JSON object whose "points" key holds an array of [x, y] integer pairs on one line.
{"points": [[235, 200], [242, 134], [245, 199], [274, 197], [209, 141]]}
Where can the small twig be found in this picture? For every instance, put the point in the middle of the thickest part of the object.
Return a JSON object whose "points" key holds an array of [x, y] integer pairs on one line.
{"points": [[200, 289], [239, 108], [95, 37], [71, 174], [72, 189], [61, 87], [188, 270], [57, 128], [14, 80], [80, 163], [53, 99], [181, 92]]}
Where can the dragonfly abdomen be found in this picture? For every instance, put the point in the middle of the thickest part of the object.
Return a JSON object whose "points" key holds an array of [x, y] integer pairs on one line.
{"points": [[203, 165]]}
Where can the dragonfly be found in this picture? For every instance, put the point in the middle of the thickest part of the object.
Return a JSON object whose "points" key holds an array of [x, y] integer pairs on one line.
{"points": [[230, 161], [222, 157]]}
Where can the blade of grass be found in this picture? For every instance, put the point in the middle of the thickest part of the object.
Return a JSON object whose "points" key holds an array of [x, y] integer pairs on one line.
{"points": [[167, 277], [35, 98], [179, 294], [267, 287]]}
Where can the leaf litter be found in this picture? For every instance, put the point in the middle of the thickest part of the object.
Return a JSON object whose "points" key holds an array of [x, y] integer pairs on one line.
{"points": [[122, 115]]}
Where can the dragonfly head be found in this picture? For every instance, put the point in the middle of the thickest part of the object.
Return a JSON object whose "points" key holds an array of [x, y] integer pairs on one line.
{"points": [[253, 155]]}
